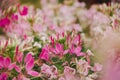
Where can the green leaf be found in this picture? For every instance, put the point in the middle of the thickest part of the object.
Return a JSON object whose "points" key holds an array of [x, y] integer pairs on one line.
{"points": [[37, 78], [37, 39], [68, 57], [55, 59], [62, 41], [59, 66]]}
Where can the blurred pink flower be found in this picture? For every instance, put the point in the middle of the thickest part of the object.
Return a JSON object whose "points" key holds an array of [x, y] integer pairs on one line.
{"points": [[14, 17], [29, 61], [50, 71], [83, 67], [76, 40], [59, 49], [18, 55], [97, 67], [69, 73], [44, 54], [5, 21], [76, 51], [24, 11], [6, 63], [3, 76]]}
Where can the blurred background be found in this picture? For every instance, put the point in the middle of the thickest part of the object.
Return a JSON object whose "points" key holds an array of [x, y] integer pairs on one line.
{"points": [[36, 3], [88, 2]]}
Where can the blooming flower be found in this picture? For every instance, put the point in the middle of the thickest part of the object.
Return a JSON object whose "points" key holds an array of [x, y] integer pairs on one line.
{"points": [[3, 76], [76, 51], [50, 71], [6, 64], [24, 11], [14, 17], [69, 73], [82, 67], [59, 49], [29, 61], [97, 67], [5, 21], [44, 55]]}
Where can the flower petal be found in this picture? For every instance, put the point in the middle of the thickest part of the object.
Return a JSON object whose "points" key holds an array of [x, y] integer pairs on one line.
{"points": [[29, 65], [28, 57], [44, 55], [1, 62], [33, 73], [7, 62], [17, 68], [11, 66], [3, 76]]}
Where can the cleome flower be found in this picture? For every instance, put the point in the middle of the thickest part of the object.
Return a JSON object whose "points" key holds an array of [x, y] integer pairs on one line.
{"points": [[5, 63], [29, 64]]}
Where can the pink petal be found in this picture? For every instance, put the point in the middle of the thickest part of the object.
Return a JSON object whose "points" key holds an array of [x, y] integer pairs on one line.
{"points": [[78, 49], [28, 57], [20, 57], [76, 40], [11, 66], [33, 73], [80, 54], [3, 76], [59, 48], [66, 51], [44, 55], [61, 78], [17, 68], [17, 48], [24, 78], [14, 17], [5, 21], [97, 67], [14, 78], [1, 62], [30, 64], [24, 11], [7, 62]]}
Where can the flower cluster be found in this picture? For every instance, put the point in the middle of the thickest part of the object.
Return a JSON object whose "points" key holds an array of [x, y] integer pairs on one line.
{"points": [[61, 40], [63, 58]]}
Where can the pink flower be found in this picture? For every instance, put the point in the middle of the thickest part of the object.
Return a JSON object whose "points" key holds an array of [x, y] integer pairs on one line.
{"points": [[76, 51], [13, 65], [52, 40], [46, 69], [18, 55], [82, 67], [6, 64], [29, 61], [59, 49], [44, 55], [69, 70], [14, 17], [50, 71], [24, 11], [97, 67], [76, 40], [69, 73], [5, 21], [3, 76]]}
